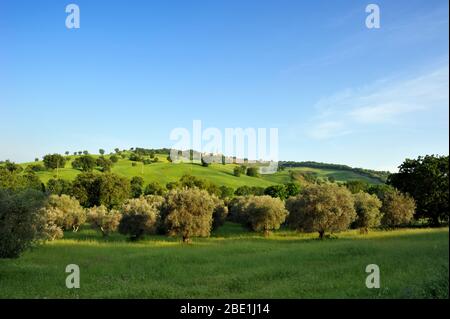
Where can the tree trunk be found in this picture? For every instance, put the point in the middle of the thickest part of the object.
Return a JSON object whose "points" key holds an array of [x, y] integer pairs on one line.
{"points": [[321, 233], [186, 239]]}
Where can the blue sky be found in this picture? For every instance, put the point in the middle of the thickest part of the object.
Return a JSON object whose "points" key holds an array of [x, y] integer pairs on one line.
{"points": [[337, 91]]}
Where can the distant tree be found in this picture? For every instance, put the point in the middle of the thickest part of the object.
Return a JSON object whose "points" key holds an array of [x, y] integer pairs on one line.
{"points": [[67, 153], [136, 184], [321, 208], [80, 152], [237, 171], [140, 216], [397, 208], [226, 191], [14, 180], [253, 171], [367, 208], [117, 150], [21, 225], [187, 213], [106, 189], [36, 159], [265, 213], [104, 163], [85, 152], [75, 153], [35, 168], [357, 186], [154, 188], [426, 179], [54, 161], [101, 151], [292, 189], [100, 218], [114, 158], [276, 191], [59, 186], [85, 163]]}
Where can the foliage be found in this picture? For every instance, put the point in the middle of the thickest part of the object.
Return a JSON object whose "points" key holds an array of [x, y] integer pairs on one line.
{"points": [[53, 161], [59, 186], [265, 213], [136, 185], [140, 216], [85, 163], [104, 163], [100, 218], [253, 171], [321, 208], [397, 209], [367, 208], [20, 223], [276, 191], [426, 179], [66, 212], [154, 188], [357, 186], [188, 213]]}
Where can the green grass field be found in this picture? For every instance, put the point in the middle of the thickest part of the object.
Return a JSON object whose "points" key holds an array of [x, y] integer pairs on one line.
{"points": [[164, 172], [234, 263]]}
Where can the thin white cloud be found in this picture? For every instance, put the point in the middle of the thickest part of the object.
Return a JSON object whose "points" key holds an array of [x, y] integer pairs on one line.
{"points": [[384, 102]]}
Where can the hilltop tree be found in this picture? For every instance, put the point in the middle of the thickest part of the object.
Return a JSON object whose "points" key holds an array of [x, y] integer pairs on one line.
{"points": [[188, 213], [321, 208], [101, 151], [367, 208], [67, 153], [426, 179], [54, 161], [85, 163]]}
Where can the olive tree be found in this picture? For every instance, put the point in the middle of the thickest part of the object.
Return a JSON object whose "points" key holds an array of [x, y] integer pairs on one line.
{"points": [[140, 216], [103, 219], [321, 208], [20, 222], [66, 212], [367, 209], [220, 213], [397, 209], [265, 213], [187, 213]]}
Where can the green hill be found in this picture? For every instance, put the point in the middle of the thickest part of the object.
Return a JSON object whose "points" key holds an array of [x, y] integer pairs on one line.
{"points": [[164, 172]]}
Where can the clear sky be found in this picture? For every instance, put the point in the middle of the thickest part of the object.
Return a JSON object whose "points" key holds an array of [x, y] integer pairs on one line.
{"points": [[337, 91]]}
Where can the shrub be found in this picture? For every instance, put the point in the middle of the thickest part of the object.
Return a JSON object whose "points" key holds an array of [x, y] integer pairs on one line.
{"points": [[188, 213], [59, 186], [220, 213], [237, 171], [276, 191], [238, 211], [321, 208], [292, 189], [114, 158], [104, 163], [397, 209], [140, 216], [253, 171], [66, 212], [136, 185], [154, 188], [265, 213], [21, 225], [246, 190], [367, 208], [103, 219], [226, 192]]}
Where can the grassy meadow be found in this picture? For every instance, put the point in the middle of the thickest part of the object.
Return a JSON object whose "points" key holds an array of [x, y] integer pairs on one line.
{"points": [[164, 172], [234, 263]]}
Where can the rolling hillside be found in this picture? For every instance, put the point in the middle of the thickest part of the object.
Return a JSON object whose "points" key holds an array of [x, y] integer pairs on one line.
{"points": [[164, 172]]}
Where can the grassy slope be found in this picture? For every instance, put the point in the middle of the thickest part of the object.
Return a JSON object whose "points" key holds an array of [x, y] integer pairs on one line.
{"points": [[164, 172], [233, 264]]}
